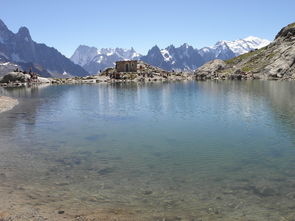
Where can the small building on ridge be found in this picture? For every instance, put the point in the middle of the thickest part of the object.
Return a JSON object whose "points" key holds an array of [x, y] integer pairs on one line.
{"points": [[129, 66]]}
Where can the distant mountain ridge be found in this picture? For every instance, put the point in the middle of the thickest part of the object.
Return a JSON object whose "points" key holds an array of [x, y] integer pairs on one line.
{"points": [[19, 48], [95, 60], [184, 57]]}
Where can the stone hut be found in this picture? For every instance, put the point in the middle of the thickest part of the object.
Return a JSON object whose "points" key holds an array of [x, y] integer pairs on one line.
{"points": [[129, 66]]}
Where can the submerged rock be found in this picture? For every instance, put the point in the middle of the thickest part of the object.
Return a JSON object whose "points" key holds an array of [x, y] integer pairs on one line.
{"points": [[105, 171], [264, 190], [7, 103]]}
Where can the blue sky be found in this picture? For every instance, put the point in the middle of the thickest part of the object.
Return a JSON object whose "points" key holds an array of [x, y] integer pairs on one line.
{"points": [[65, 24]]}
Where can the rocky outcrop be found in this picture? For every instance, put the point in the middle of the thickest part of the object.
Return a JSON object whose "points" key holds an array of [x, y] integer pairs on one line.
{"points": [[147, 72], [17, 78], [210, 69], [275, 61], [287, 31]]}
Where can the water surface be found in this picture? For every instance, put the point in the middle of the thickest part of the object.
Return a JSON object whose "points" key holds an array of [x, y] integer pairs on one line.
{"points": [[174, 151]]}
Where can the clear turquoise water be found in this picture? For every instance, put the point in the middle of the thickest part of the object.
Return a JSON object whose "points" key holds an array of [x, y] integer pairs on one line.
{"points": [[210, 150]]}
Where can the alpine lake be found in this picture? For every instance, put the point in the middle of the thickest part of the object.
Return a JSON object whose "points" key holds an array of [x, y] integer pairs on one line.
{"points": [[182, 151]]}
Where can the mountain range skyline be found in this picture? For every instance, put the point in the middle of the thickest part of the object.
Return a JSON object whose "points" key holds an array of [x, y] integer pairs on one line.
{"points": [[19, 48], [171, 44], [105, 25], [184, 57]]}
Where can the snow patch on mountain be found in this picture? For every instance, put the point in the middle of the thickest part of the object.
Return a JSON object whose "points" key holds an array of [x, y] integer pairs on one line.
{"points": [[166, 55]]}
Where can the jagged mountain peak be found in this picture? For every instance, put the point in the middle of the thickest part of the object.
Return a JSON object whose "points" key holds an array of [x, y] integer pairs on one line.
{"points": [[185, 45], [154, 48], [24, 33], [154, 51]]}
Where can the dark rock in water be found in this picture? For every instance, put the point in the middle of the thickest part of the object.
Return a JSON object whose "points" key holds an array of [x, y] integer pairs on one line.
{"points": [[61, 212], [148, 192], [105, 171], [264, 191]]}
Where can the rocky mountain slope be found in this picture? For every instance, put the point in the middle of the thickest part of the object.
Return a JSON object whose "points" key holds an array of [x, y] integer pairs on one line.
{"points": [[275, 61], [20, 49], [94, 60], [170, 58]]}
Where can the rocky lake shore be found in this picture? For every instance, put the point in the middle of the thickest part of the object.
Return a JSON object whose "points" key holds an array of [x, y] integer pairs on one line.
{"points": [[19, 79]]}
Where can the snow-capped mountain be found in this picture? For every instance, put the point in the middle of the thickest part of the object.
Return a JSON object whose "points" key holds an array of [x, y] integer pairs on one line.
{"points": [[170, 58], [228, 49], [94, 60], [20, 49], [186, 57], [245, 45]]}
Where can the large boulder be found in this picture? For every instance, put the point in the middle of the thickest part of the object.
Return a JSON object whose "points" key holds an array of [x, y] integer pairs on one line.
{"points": [[15, 77], [210, 69]]}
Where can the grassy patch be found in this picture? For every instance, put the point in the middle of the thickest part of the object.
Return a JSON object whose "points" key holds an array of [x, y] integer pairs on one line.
{"points": [[225, 71], [270, 55], [247, 69], [292, 25]]}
